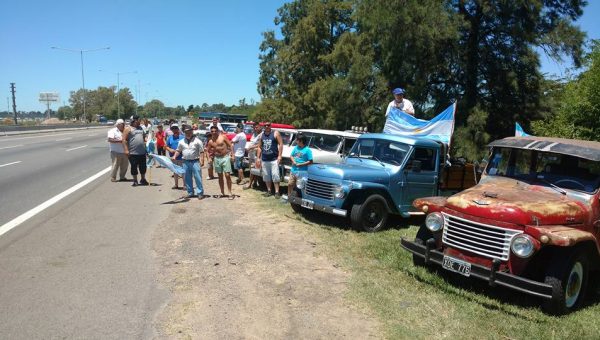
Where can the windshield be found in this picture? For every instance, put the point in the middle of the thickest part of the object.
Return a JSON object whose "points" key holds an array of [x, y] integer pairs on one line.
{"points": [[286, 137], [552, 169], [318, 141], [380, 150], [248, 129]]}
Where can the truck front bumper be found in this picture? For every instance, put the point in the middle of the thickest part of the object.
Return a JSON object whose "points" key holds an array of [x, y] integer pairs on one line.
{"points": [[310, 205], [492, 275]]}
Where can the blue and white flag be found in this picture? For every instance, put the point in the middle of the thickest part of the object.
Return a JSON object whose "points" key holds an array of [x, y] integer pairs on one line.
{"points": [[440, 128], [519, 131], [166, 162]]}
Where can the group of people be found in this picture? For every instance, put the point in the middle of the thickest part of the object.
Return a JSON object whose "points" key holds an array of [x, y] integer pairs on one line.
{"points": [[128, 148]]}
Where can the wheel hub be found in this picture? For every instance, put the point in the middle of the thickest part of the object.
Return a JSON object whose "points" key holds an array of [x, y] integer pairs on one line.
{"points": [[573, 287]]}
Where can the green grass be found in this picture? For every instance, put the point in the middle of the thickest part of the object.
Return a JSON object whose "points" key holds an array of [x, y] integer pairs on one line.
{"points": [[413, 302]]}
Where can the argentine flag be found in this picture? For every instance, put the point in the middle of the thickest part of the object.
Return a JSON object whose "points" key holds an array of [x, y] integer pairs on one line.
{"points": [[440, 128], [519, 131]]}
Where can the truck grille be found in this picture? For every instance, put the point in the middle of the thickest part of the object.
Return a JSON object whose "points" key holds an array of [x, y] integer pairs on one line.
{"points": [[319, 189], [482, 239]]}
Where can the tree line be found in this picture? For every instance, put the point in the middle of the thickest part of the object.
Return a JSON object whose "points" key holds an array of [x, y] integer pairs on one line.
{"points": [[105, 101], [333, 63]]}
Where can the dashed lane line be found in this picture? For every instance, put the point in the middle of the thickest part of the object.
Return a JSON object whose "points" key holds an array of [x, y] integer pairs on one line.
{"points": [[79, 147], [10, 147]]}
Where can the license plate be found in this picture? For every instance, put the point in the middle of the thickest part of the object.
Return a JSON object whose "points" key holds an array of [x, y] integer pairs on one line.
{"points": [[307, 204], [457, 266]]}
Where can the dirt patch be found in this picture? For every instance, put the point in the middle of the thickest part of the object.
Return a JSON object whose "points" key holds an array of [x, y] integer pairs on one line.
{"points": [[239, 271]]}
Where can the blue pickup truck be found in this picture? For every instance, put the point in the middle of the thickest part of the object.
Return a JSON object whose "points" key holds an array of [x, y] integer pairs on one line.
{"points": [[381, 175]]}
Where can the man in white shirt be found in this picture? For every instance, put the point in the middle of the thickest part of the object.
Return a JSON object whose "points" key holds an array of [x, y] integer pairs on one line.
{"points": [[120, 162], [400, 103], [191, 150], [239, 149], [215, 122]]}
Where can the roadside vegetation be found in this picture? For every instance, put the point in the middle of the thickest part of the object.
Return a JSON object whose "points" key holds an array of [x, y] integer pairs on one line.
{"points": [[413, 302]]}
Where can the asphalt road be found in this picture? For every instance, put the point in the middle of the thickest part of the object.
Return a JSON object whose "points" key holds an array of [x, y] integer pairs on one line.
{"points": [[36, 168], [82, 268]]}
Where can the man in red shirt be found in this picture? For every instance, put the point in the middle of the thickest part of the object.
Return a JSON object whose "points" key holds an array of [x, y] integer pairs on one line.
{"points": [[160, 140]]}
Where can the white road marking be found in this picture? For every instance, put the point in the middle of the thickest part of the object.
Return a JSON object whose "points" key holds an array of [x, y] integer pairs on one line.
{"points": [[58, 140], [10, 147], [7, 164], [29, 214], [79, 147]]}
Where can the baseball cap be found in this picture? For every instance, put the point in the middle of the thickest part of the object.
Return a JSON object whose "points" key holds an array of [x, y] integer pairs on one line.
{"points": [[120, 121], [174, 126], [135, 117], [187, 128], [398, 90]]}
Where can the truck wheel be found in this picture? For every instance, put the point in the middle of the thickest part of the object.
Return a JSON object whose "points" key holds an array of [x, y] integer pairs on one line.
{"points": [[568, 276], [422, 236], [371, 215]]}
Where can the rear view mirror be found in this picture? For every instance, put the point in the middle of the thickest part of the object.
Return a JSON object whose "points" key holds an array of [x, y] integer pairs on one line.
{"points": [[416, 166]]}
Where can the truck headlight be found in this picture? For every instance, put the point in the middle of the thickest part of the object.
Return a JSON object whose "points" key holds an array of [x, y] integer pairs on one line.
{"points": [[338, 191], [434, 222], [522, 245], [300, 182]]}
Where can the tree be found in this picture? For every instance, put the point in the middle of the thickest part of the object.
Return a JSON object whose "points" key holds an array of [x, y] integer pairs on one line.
{"points": [[578, 113], [65, 113], [76, 101], [154, 108], [126, 103]]}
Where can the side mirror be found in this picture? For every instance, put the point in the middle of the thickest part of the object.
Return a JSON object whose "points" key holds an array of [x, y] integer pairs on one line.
{"points": [[416, 166]]}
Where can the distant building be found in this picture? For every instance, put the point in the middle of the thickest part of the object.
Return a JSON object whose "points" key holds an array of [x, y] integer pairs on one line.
{"points": [[224, 117]]}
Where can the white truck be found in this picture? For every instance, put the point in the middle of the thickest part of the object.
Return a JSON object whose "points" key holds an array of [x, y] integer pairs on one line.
{"points": [[328, 147]]}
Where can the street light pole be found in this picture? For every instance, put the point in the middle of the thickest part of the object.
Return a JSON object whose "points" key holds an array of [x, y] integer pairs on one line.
{"points": [[119, 88], [82, 75]]}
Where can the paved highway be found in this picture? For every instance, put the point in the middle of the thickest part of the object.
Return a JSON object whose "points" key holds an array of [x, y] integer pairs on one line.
{"points": [[36, 168], [82, 268]]}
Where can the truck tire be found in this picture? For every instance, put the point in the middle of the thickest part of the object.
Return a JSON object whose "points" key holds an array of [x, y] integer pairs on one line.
{"points": [[568, 276], [370, 215], [422, 236]]}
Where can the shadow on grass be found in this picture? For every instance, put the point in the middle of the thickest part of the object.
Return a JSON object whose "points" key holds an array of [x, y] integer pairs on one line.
{"points": [[477, 291]]}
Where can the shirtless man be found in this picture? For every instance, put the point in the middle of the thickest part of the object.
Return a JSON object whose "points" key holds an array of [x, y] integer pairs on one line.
{"points": [[220, 146]]}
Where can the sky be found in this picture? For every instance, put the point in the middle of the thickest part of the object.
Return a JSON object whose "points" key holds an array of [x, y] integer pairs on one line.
{"points": [[184, 52]]}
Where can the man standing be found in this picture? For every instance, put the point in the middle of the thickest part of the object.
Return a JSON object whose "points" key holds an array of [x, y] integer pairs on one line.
{"points": [[400, 103], [301, 158], [160, 139], [220, 146], [134, 143], [171, 146], [252, 147], [239, 149], [215, 122], [117, 152], [268, 158], [192, 151]]}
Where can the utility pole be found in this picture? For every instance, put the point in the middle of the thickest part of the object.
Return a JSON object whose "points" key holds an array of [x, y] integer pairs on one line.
{"points": [[12, 90]]}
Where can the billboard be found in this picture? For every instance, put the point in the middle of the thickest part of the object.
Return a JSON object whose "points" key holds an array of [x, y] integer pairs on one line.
{"points": [[47, 97]]}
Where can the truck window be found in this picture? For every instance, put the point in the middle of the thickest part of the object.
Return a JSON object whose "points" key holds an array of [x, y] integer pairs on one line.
{"points": [[426, 156], [382, 150], [348, 144]]}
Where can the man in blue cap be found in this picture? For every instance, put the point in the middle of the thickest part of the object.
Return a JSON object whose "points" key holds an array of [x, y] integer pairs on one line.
{"points": [[400, 103]]}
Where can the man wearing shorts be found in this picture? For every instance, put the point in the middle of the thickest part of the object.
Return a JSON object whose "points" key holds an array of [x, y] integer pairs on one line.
{"points": [[134, 144], [268, 157], [220, 146], [239, 149]]}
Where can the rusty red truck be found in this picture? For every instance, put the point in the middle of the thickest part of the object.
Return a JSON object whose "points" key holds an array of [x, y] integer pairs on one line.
{"points": [[531, 224]]}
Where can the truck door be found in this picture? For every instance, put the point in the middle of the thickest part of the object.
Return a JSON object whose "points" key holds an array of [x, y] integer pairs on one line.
{"points": [[420, 178]]}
